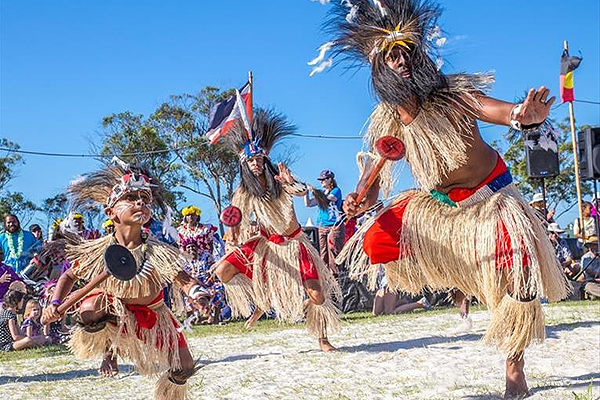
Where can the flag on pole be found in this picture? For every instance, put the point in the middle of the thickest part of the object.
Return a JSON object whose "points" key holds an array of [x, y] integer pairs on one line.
{"points": [[568, 64], [223, 115]]}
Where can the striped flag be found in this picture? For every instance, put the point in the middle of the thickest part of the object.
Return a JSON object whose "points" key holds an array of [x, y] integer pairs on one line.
{"points": [[568, 64], [223, 115]]}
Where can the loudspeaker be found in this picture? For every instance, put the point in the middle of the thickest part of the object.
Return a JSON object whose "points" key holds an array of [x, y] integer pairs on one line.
{"points": [[541, 163], [588, 144], [313, 235]]}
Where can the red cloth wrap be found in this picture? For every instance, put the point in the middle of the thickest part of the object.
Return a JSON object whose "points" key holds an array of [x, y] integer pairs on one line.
{"points": [[382, 240], [242, 258], [145, 317]]}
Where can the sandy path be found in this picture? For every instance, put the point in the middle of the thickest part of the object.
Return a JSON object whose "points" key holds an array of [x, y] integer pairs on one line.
{"points": [[399, 358]]}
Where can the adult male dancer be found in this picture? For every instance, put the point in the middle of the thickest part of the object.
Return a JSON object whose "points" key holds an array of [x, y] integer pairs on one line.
{"points": [[128, 318], [277, 268], [466, 227]]}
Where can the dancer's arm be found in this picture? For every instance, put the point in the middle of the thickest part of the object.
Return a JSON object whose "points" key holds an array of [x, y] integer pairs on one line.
{"points": [[63, 288], [353, 209], [533, 111]]}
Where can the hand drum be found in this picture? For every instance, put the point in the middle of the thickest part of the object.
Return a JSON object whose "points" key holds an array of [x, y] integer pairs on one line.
{"points": [[120, 263], [231, 216], [390, 148]]}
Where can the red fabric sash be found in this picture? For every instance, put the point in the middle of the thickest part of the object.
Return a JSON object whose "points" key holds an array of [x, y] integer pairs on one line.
{"points": [[145, 317]]}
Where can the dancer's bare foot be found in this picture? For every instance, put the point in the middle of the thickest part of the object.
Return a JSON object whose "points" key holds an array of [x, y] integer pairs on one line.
{"points": [[516, 385], [109, 367], [326, 346], [253, 318]]}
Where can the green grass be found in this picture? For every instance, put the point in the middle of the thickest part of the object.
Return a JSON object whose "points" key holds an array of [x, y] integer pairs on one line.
{"points": [[49, 351]]}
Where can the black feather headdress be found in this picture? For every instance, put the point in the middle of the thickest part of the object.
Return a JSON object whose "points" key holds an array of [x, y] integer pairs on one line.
{"points": [[268, 128], [365, 31]]}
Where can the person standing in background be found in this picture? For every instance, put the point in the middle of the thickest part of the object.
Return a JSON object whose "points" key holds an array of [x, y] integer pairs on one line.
{"points": [[330, 218]]}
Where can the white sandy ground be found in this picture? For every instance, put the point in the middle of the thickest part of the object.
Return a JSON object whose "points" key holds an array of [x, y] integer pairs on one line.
{"points": [[396, 358]]}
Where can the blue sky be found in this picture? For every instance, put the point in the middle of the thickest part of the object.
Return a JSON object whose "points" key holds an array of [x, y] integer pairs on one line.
{"points": [[66, 64]]}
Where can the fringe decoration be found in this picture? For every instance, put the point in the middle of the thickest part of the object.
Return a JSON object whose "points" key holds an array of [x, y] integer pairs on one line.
{"points": [[158, 265], [154, 351], [164, 389], [239, 294], [451, 247], [274, 215], [322, 319], [276, 281], [436, 140], [515, 325], [86, 345]]}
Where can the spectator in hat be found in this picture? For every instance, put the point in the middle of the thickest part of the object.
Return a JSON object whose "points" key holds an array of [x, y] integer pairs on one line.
{"points": [[560, 245], [588, 227], [539, 205], [590, 263], [330, 217]]}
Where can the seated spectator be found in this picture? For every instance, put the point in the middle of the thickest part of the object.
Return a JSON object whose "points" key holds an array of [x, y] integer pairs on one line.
{"points": [[388, 302], [590, 264], [31, 324], [561, 249], [7, 276], [588, 226], [211, 306], [11, 337], [539, 205]]}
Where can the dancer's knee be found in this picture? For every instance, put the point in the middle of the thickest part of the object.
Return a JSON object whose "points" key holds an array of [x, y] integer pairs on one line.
{"points": [[90, 311], [226, 271], [315, 294]]}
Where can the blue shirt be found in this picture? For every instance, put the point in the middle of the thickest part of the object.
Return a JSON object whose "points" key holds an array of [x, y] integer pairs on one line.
{"points": [[30, 245], [333, 213]]}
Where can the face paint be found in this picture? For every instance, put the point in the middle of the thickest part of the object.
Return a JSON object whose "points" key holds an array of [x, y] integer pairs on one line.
{"points": [[121, 207]]}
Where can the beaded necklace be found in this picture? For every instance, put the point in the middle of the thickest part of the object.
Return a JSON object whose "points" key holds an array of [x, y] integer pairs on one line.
{"points": [[11, 244]]}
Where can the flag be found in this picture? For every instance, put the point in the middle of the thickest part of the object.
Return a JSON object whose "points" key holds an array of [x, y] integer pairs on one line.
{"points": [[223, 115], [568, 64]]}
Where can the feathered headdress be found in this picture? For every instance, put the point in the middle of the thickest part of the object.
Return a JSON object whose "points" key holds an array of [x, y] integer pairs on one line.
{"points": [[111, 183], [268, 127], [365, 31]]}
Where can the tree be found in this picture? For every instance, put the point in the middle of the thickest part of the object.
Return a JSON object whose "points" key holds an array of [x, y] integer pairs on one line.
{"points": [[8, 162], [54, 208], [13, 202], [213, 169], [126, 133], [561, 191], [16, 203]]}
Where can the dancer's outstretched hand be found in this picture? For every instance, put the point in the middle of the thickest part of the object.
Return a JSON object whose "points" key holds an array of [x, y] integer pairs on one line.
{"points": [[285, 176], [535, 108]]}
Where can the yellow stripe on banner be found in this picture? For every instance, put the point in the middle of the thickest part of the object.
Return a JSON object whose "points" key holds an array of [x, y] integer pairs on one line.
{"points": [[568, 83]]}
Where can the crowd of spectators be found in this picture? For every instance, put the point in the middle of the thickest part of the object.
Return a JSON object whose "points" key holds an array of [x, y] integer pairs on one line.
{"points": [[31, 264]]}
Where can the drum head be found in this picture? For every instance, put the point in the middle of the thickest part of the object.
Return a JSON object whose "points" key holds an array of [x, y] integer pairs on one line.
{"points": [[120, 262], [231, 216], [390, 148]]}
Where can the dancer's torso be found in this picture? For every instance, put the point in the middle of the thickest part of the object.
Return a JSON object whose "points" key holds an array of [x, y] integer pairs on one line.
{"points": [[480, 161]]}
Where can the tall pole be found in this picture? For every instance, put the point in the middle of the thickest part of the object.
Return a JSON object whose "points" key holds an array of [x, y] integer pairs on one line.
{"points": [[251, 111], [576, 161]]}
